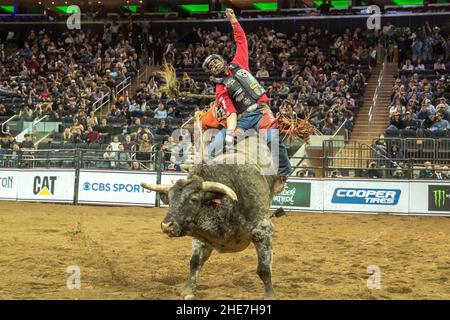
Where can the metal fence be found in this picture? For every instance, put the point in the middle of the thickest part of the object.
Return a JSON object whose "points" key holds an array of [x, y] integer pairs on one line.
{"points": [[358, 161]]}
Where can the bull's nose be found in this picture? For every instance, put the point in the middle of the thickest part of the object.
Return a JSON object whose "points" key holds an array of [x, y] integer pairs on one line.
{"points": [[167, 227]]}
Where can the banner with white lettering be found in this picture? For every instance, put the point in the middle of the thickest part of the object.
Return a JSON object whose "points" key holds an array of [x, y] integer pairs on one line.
{"points": [[388, 196], [116, 187], [46, 185]]}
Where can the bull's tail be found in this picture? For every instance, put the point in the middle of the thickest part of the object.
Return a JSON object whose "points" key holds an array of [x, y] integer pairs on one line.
{"points": [[278, 213]]}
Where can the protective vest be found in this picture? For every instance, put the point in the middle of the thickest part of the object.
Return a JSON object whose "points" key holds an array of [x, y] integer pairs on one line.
{"points": [[242, 87]]}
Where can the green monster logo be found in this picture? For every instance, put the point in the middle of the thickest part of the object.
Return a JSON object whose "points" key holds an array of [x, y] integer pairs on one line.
{"points": [[439, 198]]}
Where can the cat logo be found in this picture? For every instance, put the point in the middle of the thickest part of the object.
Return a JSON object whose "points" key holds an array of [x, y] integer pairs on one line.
{"points": [[44, 186]]}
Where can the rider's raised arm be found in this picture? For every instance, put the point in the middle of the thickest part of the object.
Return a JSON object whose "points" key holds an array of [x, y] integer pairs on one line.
{"points": [[241, 56]]}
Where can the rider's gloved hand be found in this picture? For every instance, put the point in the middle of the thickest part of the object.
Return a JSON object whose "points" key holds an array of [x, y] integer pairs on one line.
{"points": [[229, 139]]}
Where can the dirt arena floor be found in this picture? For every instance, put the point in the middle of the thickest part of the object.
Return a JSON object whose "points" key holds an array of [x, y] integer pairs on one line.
{"points": [[122, 254]]}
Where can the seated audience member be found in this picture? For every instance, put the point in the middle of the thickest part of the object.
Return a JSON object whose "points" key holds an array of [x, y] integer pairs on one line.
{"points": [[381, 146], [445, 173], [122, 158], [103, 131], [145, 147], [373, 171], [162, 129], [336, 174], [27, 144], [135, 166], [109, 157], [76, 130], [428, 172], [160, 112], [438, 174], [128, 143], [398, 173], [92, 136], [115, 143], [305, 172]]}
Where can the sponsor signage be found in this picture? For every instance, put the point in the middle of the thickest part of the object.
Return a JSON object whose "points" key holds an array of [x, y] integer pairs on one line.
{"points": [[295, 194], [366, 196], [47, 186], [8, 185], [439, 198], [115, 187]]}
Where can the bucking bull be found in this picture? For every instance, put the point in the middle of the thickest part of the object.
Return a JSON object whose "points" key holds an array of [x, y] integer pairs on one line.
{"points": [[223, 207]]}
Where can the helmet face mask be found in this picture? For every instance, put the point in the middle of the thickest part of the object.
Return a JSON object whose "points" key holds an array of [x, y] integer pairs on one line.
{"points": [[214, 65]]}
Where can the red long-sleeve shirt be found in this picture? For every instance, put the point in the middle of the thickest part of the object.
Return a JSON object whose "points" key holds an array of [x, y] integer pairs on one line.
{"points": [[241, 59]]}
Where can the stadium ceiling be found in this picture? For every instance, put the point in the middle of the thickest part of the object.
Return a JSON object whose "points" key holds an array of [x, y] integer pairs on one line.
{"points": [[200, 5]]}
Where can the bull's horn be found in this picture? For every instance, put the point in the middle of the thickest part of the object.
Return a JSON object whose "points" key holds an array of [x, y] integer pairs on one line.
{"points": [[219, 187], [156, 187]]}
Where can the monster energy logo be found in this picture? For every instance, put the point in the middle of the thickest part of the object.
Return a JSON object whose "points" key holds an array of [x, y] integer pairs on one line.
{"points": [[439, 198]]}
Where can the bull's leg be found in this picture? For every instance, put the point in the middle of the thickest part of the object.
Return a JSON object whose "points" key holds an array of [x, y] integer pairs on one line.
{"points": [[262, 238], [200, 253]]}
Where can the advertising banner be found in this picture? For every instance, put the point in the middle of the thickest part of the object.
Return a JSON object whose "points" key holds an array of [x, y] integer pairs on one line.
{"points": [[429, 197], [295, 195], [8, 185], [115, 187], [366, 196], [46, 185], [439, 198]]}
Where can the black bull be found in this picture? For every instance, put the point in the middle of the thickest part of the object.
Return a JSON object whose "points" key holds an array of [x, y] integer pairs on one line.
{"points": [[223, 207]]}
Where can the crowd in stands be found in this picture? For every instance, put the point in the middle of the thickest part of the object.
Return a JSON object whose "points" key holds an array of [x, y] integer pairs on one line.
{"points": [[313, 73], [420, 95]]}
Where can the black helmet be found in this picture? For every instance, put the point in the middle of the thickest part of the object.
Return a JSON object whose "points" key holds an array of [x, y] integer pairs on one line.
{"points": [[211, 58]]}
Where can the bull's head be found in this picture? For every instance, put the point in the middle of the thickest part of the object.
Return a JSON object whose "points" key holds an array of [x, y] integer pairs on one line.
{"points": [[186, 198]]}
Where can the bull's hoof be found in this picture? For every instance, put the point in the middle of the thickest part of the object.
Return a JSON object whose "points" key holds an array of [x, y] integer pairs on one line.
{"points": [[270, 297], [187, 294]]}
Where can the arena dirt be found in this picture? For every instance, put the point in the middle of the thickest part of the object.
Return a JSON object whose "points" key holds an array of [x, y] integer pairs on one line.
{"points": [[122, 254]]}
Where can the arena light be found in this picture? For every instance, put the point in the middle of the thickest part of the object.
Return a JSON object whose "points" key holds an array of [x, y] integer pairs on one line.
{"points": [[408, 2], [63, 9], [337, 4], [132, 8], [272, 6], [195, 7], [9, 9]]}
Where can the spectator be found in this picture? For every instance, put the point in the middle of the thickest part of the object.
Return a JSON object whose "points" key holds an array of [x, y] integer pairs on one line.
{"points": [[92, 136], [92, 120], [438, 174], [103, 131], [109, 157], [305, 172], [381, 146], [135, 166], [160, 113], [428, 172], [373, 171], [445, 173], [441, 125], [262, 73], [122, 158], [28, 144], [76, 130], [115, 143], [145, 147], [128, 143], [67, 135], [336, 174], [162, 129]]}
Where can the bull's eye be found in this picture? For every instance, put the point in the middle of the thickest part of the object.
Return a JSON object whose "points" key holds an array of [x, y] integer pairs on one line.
{"points": [[194, 199]]}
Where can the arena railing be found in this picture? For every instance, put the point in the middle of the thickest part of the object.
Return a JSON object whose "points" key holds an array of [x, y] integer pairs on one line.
{"points": [[97, 105], [371, 112], [122, 86]]}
